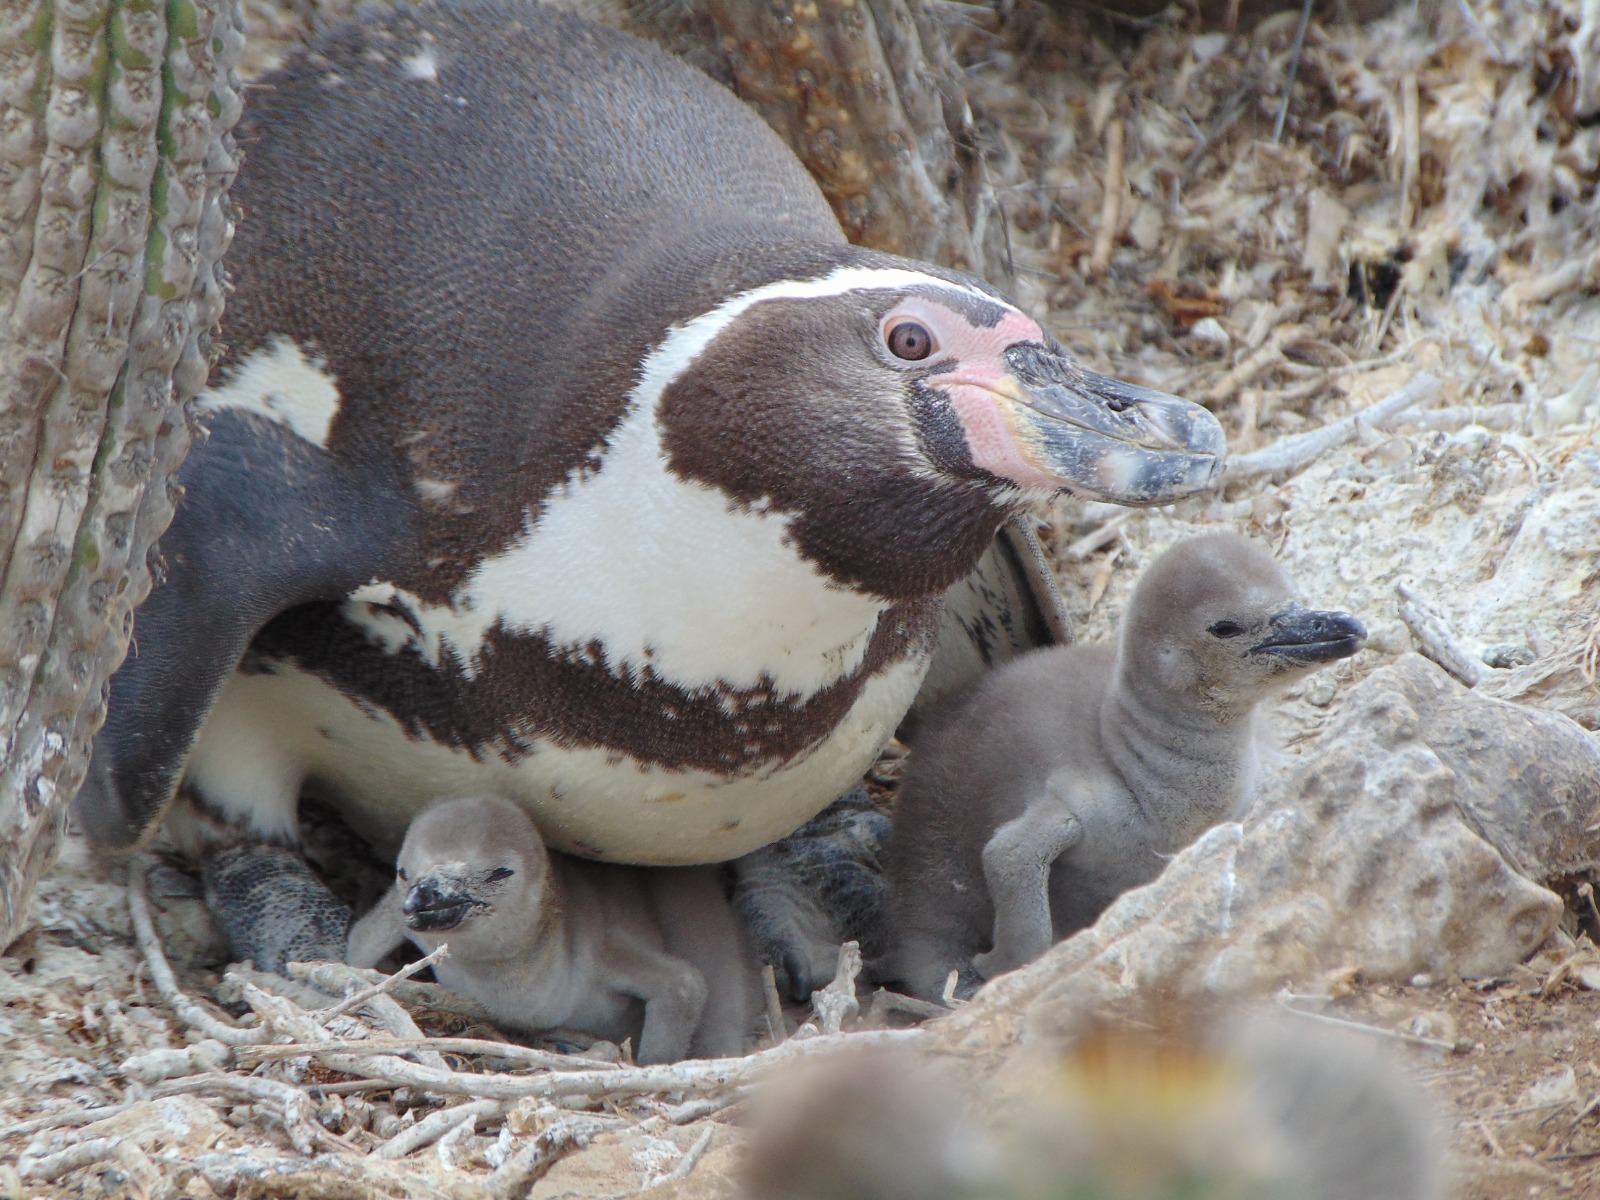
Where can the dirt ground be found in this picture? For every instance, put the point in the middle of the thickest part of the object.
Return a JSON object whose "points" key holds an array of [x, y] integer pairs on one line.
{"points": [[1429, 206]]}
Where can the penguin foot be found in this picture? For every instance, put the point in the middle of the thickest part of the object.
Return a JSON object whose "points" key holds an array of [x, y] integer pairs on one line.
{"points": [[272, 907], [823, 885]]}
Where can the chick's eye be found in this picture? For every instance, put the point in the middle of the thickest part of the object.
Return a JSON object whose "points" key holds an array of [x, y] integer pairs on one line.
{"points": [[498, 874], [400, 874], [909, 341], [1226, 629]]}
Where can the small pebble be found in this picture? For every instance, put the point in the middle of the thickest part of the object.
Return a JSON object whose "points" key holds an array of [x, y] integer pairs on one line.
{"points": [[1505, 655], [359, 1112], [1437, 1025], [1210, 336], [331, 1114], [1319, 690]]}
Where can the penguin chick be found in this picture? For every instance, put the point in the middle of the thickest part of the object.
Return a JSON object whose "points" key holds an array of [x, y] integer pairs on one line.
{"points": [[1071, 774], [544, 941], [1251, 1109], [880, 1124]]}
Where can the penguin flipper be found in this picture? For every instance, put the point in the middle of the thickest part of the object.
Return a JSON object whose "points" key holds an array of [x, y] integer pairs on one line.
{"points": [[379, 932], [267, 520], [1016, 869]]}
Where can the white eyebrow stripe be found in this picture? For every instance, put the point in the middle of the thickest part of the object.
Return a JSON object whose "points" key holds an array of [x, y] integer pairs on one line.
{"points": [[687, 341]]}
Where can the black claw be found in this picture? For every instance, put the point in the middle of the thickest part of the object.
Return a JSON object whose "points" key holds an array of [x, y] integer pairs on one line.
{"points": [[797, 981]]}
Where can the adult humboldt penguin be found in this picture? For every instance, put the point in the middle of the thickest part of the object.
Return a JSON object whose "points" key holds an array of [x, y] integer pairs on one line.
{"points": [[565, 451]]}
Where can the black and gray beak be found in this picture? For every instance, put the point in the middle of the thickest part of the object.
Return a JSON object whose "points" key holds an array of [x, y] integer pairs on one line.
{"points": [[1304, 635], [1105, 439], [437, 902]]}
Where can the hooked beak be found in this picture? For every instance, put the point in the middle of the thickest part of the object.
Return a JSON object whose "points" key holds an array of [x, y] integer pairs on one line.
{"points": [[437, 902], [1104, 439], [1304, 635]]}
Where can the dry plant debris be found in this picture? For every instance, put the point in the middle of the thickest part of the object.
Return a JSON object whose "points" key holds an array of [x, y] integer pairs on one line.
{"points": [[341, 1073]]}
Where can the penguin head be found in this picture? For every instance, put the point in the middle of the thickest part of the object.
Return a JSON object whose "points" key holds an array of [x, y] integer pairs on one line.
{"points": [[1216, 617], [894, 416], [472, 872]]}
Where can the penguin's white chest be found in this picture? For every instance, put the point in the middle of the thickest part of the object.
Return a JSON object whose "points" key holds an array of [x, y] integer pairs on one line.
{"points": [[655, 573], [653, 672], [274, 733]]}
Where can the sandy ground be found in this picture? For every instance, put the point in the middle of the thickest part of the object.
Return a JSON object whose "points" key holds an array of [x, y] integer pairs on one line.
{"points": [[1430, 206]]}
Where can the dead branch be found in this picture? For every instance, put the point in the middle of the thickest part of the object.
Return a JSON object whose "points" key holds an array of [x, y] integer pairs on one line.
{"points": [[383, 1007], [1290, 455], [431, 1128], [885, 1002], [70, 1117], [524, 1056], [836, 1003], [63, 1162], [334, 979], [1412, 1039], [385, 985], [691, 1158], [1269, 354], [291, 1105], [1434, 637], [774, 1005], [528, 1165], [699, 1076], [156, 1065], [144, 933], [1111, 205], [1097, 538]]}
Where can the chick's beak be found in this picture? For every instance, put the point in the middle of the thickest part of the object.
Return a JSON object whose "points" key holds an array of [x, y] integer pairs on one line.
{"points": [[437, 902], [1104, 439], [1305, 635]]}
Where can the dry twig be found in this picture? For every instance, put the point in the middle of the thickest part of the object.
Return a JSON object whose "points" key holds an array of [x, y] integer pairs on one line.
{"points": [[335, 979], [885, 1002], [1414, 1039], [291, 1105], [1290, 455], [435, 1126], [1411, 168], [774, 1003], [1111, 205], [1436, 639], [691, 1159], [523, 1056], [1294, 70], [528, 1165], [837, 1003], [385, 985], [1266, 356], [1096, 538], [144, 933], [63, 1162]]}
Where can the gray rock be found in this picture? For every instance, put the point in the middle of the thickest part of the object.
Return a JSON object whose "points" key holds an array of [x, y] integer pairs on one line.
{"points": [[1370, 854]]}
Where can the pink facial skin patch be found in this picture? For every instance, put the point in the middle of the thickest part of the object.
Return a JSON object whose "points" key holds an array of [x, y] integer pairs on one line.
{"points": [[981, 389]]}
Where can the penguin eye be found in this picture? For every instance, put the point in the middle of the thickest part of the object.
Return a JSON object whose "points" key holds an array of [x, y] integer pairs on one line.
{"points": [[498, 874], [400, 874], [1226, 629], [909, 341]]}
